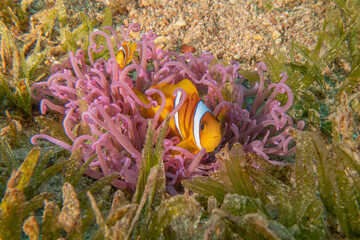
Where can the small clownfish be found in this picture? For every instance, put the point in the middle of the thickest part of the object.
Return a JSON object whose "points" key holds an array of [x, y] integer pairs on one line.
{"points": [[125, 53], [194, 122]]}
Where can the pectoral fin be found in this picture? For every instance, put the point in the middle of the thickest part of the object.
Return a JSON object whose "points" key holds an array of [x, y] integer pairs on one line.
{"points": [[189, 145]]}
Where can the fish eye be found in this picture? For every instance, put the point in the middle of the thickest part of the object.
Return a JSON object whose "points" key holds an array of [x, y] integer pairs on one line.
{"points": [[202, 126]]}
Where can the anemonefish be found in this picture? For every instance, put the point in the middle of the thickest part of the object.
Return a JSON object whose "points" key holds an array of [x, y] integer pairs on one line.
{"points": [[194, 122], [125, 53]]}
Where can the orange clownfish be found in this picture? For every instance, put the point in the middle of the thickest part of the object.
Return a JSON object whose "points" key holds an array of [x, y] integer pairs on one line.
{"points": [[125, 53], [194, 122]]}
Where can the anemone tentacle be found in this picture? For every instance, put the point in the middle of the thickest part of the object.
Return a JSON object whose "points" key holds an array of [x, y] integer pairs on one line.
{"points": [[116, 130]]}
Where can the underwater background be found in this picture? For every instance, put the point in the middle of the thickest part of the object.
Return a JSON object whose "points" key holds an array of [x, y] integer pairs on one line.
{"points": [[80, 161]]}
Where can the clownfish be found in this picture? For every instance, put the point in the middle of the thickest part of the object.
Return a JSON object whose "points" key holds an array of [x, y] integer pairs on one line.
{"points": [[194, 122], [125, 53]]}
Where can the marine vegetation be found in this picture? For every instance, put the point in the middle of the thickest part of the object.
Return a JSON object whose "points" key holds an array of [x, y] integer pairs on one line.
{"points": [[267, 179], [27, 42], [305, 200], [102, 112]]}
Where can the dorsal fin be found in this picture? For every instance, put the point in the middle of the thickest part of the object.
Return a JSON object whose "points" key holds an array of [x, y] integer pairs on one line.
{"points": [[185, 84], [188, 86]]}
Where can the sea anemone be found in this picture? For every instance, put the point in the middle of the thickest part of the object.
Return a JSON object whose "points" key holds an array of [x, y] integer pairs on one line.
{"points": [[102, 111]]}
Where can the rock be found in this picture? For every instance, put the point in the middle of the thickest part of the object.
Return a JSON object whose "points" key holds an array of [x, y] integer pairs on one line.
{"points": [[161, 42], [180, 23], [187, 49], [275, 34], [134, 34], [257, 37], [145, 3]]}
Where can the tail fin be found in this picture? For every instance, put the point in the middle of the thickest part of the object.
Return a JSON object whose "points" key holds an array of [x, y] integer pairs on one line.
{"points": [[140, 95], [222, 118], [145, 112]]}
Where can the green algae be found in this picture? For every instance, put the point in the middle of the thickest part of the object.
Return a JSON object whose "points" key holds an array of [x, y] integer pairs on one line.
{"points": [[310, 199]]}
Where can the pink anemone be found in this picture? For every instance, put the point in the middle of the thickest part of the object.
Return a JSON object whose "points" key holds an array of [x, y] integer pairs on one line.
{"points": [[116, 130]]}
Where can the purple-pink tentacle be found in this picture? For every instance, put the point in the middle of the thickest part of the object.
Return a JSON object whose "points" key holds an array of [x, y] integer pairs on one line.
{"points": [[106, 119]]}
